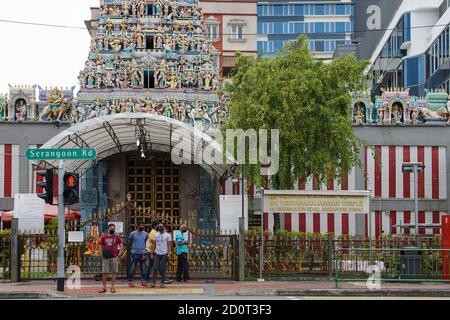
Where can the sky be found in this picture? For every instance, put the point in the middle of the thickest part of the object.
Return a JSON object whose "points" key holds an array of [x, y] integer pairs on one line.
{"points": [[46, 56]]}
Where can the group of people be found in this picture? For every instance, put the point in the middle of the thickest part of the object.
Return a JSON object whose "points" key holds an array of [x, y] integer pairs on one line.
{"points": [[150, 251]]}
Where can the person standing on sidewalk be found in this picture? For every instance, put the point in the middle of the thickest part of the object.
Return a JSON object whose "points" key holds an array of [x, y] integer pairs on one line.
{"points": [[182, 253], [110, 248], [162, 245], [138, 240], [151, 249]]}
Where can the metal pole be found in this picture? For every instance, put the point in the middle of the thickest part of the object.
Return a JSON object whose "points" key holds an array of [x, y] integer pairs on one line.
{"points": [[242, 233], [370, 233], [243, 192], [61, 229], [416, 206], [261, 248]]}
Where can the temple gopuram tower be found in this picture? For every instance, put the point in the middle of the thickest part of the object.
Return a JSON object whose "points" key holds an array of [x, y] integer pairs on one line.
{"points": [[148, 57], [154, 57]]}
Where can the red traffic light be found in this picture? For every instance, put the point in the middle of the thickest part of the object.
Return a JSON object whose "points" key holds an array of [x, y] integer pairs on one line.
{"points": [[71, 181]]}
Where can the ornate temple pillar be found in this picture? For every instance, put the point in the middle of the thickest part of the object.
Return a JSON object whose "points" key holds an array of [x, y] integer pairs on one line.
{"points": [[207, 213], [88, 194], [102, 183]]}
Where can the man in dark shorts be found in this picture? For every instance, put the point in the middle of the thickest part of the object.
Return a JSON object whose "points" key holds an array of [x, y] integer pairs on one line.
{"points": [[110, 248]]}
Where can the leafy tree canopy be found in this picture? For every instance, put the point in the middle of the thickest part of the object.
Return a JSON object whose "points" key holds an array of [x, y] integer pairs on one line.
{"points": [[308, 101]]}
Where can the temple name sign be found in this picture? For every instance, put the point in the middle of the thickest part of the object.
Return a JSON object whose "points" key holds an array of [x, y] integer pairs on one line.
{"points": [[61, 154], [296, 201]]}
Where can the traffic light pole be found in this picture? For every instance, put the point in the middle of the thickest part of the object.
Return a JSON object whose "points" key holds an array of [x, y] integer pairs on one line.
{"points": [[61, 229]]}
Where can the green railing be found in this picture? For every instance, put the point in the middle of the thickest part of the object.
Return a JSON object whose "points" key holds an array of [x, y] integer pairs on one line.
{"points": [[5, 255], [391, 265]]}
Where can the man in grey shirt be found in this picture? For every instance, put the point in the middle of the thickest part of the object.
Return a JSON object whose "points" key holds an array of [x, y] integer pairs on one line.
{"points": [[138, 239], [163, 246]]}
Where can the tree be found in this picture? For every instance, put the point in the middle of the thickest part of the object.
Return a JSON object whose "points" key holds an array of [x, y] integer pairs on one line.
{"points": [[308, 101]]}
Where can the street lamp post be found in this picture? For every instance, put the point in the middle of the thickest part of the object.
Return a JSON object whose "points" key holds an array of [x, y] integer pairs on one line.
{"points": [[415, 167], [241, 229], [261, 248]]}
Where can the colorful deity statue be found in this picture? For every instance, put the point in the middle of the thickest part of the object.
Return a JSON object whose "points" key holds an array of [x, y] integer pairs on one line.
{"points": [[139, 37], [142, 8], [21, 110], [93, 246], [167, 108], [109, 27], [55, 99], [414, 115], [3, 107]]}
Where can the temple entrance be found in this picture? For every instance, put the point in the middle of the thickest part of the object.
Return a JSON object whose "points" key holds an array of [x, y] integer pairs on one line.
{"points": [[155, 185]]}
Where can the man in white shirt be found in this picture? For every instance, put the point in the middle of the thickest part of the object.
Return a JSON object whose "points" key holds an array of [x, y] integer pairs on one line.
{"points": [[163, 246]]}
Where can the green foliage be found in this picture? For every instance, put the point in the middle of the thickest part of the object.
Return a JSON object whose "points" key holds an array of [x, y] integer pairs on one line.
{"points": [[52, 226], [308, 100]]}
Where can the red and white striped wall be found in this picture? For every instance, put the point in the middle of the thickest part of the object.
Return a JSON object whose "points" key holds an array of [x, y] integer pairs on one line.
{"points": [[385, 179], [9, 170]]}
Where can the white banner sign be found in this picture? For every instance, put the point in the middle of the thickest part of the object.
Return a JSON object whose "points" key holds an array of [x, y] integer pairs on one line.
{"points": [[295, 201], [76, 236], [29, 209], [231, 211]]}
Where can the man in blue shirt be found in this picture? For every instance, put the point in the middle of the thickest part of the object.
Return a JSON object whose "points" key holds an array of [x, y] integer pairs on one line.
{"points": [[182, 253], [138, 240]]}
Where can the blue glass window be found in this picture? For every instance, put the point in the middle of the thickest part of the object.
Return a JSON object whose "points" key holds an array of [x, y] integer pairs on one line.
{"points": [[298, 10], [320, 9], [278, 27], [320, 27], [278, 10], [340, 9]]}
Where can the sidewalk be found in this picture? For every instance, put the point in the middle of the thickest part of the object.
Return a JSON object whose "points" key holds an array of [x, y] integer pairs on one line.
{"points": [[89, 289]]}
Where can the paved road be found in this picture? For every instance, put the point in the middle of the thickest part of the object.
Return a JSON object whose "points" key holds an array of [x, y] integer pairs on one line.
{"points": [[227, 298]]}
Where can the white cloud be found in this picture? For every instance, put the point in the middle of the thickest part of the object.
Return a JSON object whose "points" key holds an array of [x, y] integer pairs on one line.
{"points": [[46, 56]]}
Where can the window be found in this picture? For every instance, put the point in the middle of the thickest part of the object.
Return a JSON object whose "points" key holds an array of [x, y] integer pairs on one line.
{"points": [[266, 10], [267, 28], [237, 32], [213, 31]]}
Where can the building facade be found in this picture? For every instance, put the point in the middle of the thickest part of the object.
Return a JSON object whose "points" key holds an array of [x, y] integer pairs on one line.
{"points": [[144, 82], [231, 29], [409, 48], [327, 24]]}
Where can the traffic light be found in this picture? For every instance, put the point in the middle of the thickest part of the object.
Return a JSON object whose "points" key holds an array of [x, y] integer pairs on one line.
{"points": [[47, 184], [71, 186]]}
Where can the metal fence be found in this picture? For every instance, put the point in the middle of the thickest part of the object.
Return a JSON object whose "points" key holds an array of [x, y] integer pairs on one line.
{"points": [[284, 257], [5, 255], [391, 264], [290, 257], [211, 257]]}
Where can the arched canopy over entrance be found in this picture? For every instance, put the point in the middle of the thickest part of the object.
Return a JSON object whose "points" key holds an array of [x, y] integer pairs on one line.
{"points": [[118, 133]]}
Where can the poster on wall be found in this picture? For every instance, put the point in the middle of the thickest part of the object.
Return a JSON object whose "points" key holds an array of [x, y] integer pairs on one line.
{"points": [[29, 209], [231, 211], [76, 237]]}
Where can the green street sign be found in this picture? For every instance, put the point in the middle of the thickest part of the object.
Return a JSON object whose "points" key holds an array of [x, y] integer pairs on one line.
{"points": [[61, 154]]}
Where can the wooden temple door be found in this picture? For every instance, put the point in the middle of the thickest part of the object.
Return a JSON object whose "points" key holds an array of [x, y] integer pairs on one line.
{"points": [[154, 184]]}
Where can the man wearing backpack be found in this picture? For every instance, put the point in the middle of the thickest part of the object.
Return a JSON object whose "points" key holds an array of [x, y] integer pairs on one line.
{"points": [[110, 248]]}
